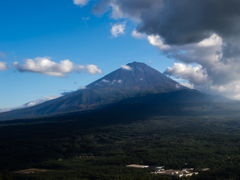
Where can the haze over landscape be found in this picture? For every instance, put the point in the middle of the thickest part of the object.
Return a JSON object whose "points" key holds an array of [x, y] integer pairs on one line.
{"points": [[96, 89]]}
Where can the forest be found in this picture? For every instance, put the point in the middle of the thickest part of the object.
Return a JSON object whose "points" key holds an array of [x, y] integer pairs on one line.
{"points": [[99, 145]]}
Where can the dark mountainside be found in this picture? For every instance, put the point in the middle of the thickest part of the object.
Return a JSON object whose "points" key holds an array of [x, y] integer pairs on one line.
{"points": [[122, 84]]}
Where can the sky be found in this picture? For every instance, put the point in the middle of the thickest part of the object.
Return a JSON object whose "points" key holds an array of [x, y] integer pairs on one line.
{"points": [[51, 47]]}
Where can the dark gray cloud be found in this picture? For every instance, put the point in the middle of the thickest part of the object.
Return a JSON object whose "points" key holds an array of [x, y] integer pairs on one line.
{"points": [[179, 21], [190, 21], [126, 8]]}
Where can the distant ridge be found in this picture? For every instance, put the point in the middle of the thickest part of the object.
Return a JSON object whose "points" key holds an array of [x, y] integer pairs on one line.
{"points": [[132, 80]]}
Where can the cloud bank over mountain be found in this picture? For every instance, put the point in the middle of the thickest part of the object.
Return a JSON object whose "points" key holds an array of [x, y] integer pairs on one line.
{"points": [[202, 36]]}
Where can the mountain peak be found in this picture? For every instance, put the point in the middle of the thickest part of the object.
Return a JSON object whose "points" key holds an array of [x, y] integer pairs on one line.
{"points": [[136, 63], [135, 75]]}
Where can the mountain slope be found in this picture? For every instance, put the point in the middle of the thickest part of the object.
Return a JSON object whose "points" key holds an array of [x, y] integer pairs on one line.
{"points": [[133, 80], [140, 76]]}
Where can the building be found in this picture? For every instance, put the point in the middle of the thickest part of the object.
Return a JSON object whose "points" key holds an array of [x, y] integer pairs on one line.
{"points": [[137, 166], [179, 173], [205, 169]]}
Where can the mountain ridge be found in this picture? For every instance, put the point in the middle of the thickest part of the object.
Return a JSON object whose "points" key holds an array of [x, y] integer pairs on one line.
{"points": [[132, 80]]}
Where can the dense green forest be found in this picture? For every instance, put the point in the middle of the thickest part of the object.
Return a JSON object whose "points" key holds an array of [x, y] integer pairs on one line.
{"points": [[99, 145]]}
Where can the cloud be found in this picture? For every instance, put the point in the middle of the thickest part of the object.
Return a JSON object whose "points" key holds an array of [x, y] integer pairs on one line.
{"points": [[137, 35], [3, 66], [44, 65], [131, 9], [90, 68], [158, 42], [195, 75], [3, 54], [126, 67], [116, 12], [178, 22], [30, 104], [80, 3], [118, 29], [119, 81], [216, 69]]}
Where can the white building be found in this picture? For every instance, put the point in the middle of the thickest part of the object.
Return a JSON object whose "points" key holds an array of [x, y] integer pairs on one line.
{"points": [[137, 166], [179, 173]]}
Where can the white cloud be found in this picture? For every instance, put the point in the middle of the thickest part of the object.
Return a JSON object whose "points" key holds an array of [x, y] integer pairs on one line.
{"points": [[137, 35], [213, 72], [119, 81], [126, 67], [196, 75], [158, 42], [30, 104], [90, 68], [3, 66], [80, 3], [106, 81], [118, 29], [44, 65]]}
